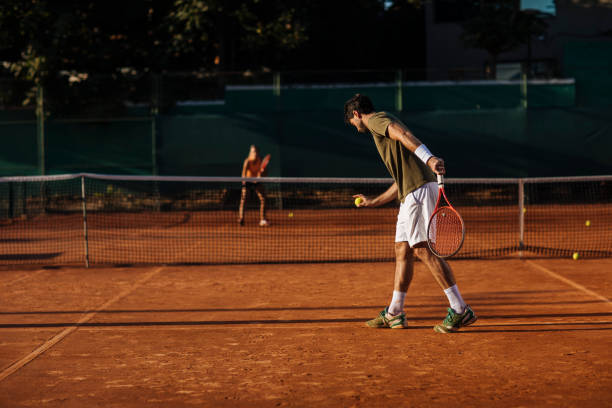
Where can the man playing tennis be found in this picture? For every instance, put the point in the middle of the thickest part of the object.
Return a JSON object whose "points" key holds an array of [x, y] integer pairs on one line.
{"points": [[252, 168], [412, 166]]}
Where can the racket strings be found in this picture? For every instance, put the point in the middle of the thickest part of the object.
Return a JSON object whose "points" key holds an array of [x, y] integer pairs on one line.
{"points": [[446, 232]]}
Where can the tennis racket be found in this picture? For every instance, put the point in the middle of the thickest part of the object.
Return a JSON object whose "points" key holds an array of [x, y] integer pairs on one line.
{"points": [[446, 230], [264, 163]]}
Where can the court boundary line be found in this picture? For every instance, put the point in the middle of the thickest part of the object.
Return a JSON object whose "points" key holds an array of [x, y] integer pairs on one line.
{"points": [[188, 325], [22, 278], [569, 282], [544, 323], [69, 330]]}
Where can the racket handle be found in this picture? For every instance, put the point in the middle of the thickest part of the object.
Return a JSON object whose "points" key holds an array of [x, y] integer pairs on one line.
{"points": [[440, 180]]}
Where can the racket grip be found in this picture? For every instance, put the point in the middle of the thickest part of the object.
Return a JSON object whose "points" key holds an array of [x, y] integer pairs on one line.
{"points": [[440, 180]]}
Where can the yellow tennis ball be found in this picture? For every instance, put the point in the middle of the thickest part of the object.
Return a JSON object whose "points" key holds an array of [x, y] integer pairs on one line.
{"points": [[290, 215], [587, 223], [524, 210], [358, 201], [575, 256]]}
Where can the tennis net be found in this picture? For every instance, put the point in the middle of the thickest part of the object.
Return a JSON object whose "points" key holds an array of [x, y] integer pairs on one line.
{"points": [[94, 219]]}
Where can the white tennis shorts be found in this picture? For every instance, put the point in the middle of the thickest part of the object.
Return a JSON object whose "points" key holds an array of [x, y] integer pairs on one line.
{"points": [[414, 214]]}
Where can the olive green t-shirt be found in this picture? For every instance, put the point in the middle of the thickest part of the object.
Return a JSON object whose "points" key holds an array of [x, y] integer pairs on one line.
{"points": [[408, 171]]}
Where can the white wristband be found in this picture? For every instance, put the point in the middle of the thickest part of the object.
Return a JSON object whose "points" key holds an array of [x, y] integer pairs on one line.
{"points": [[423, 153]]}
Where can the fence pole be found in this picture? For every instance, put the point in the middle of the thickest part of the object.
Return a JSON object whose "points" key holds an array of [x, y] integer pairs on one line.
{"points": [[40, 129], [276, 83], [155, 103], [399, 102], [85, 234], [524, 91]]}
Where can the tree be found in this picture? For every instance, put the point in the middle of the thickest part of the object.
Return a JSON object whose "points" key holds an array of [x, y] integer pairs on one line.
{"points": [[105, 35], [65, 45], [233, 34], [59, 44], [68, 45], [500, 27]]}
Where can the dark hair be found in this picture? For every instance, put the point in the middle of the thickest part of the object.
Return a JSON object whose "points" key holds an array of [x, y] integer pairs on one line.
{"points": [[359, 103]]}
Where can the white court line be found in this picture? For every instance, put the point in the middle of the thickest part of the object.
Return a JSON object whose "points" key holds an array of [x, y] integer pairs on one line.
{"points": [[28, 275], [221, 326], [308, 326], [61, 335], [182, 327], [570, 282], [536, 323]]}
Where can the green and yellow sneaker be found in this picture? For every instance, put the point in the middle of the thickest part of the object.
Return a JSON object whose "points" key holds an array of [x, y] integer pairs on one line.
{"points": [[454, 321], [384, 320]]}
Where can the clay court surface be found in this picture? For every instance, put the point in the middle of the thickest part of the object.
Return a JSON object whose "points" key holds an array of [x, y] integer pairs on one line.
{"points": [[294, 335]]}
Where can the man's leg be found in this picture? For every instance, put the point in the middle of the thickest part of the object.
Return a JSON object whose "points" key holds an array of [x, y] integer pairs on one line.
{"points": [[443, 274], [423, 202], [393, 316], [404, 267], [459, 314]]}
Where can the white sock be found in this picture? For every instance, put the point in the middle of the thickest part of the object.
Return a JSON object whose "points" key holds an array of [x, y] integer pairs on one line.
{"points": [[397, 303], [455, 299]]}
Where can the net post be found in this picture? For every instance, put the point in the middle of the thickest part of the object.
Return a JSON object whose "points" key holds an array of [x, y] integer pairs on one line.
{"points": [[521, 203], [85, 232]]}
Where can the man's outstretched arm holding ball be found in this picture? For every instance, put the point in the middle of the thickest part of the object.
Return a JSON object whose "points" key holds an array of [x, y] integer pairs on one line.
{"points": [[384, 198]]}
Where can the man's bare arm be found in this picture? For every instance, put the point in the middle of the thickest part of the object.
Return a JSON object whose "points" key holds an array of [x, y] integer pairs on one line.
{"points": [[399, 132], [382, 199]]}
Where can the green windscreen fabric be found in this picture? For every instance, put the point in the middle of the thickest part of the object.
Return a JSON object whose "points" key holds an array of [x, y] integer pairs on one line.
{"points": [[483, 143], [410, 96], [216, 144], [590, 63], [304, 98], [481, 130], [18, 154], [105, 146]]}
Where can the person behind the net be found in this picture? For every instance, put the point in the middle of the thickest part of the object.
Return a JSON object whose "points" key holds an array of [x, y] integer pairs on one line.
{"points": [[252, 168], [412, 167]]}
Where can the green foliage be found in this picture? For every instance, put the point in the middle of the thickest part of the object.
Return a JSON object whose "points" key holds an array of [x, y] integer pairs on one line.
{"points": [[492, 29], [500, 27], [64, 45], [226, 34], [40, 38]]}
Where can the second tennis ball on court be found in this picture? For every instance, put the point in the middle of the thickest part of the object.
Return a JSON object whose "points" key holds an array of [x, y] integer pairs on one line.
{"points": [[587, 223], [358, 201], [575, 256]]}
